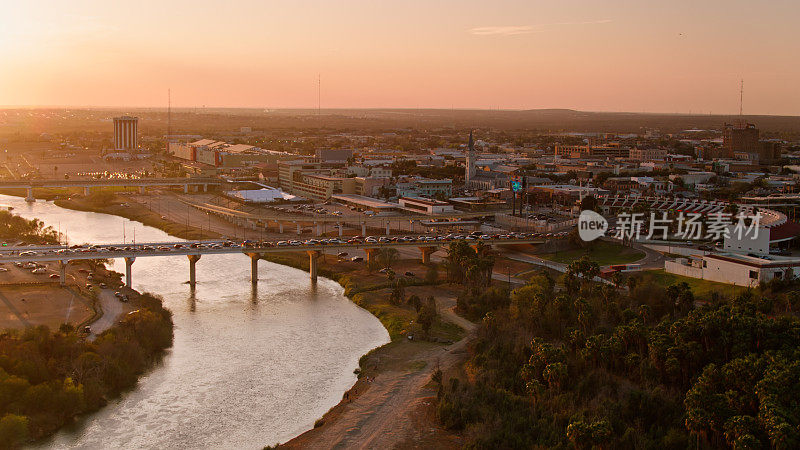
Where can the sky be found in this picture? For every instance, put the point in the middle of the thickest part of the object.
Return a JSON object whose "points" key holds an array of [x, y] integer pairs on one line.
{"points": [[677, 56]]}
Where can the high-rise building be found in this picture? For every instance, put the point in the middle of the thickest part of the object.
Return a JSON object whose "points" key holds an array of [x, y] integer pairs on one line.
{"points": [[739, 138], [470, 170], [126, 133]]}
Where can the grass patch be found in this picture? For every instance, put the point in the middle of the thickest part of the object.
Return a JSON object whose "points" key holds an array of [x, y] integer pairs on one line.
{"points": [[602, 252], [700, 288]]}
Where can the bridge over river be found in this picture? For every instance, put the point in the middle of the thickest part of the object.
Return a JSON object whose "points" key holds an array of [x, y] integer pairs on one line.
{"points": [[194, 250]]}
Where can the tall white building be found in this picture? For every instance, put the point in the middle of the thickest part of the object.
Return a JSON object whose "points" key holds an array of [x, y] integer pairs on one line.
{"points": [[126, 133], [470, 171]]}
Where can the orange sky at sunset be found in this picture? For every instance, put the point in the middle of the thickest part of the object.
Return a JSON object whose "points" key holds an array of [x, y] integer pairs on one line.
{"points": [[613, 55]]}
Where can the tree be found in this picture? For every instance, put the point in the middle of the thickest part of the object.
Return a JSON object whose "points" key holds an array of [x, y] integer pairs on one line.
{"points": [[427, 315], [13, 430], [388, 256]]}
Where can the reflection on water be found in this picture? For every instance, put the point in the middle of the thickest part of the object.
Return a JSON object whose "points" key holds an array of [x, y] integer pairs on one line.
{"points": [[251, 365]]}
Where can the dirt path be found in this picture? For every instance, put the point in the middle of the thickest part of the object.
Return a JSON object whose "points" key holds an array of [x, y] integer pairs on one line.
{"points": [[389, 410], [112, 309]]}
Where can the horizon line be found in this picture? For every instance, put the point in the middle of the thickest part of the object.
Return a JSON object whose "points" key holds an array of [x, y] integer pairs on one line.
{"points": [[384, 108]]}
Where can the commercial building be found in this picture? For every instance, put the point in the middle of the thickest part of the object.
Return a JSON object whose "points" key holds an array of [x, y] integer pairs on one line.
{"points": [[648, 154], [731, 268], [334, 156], [126, 133], [222, 154], [425, 205], [590, 150], [424, 187], [741, 141]]}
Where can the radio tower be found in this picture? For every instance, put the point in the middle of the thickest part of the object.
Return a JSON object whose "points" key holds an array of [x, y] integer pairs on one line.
{"points": [[741, 96], [169, 116]]}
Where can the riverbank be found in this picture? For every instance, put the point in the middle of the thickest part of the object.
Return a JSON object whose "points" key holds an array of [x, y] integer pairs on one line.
{"points": [[54, 376], [392, 400], [402, 366]]}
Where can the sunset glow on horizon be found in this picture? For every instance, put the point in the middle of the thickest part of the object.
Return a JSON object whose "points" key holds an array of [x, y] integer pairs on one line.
{"points": [[681, 56]]}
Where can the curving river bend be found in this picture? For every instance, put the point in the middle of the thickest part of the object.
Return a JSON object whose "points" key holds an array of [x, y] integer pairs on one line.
{"points": [[249, 367]]}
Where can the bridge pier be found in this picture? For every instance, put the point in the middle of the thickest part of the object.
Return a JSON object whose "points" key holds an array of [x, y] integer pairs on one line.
{"points": [[280, 227], [86, 191], [30, 198], [363, 229], [318, 226], [387, 227], [254, 257], [341, 232], [141, 190], [128, 273], [426, 254], [313, 255], [192, 270], [62, 272], [186, 188], [205, 188], [299, 231]]}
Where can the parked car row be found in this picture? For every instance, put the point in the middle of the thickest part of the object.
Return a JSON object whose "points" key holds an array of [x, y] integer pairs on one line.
{"points": [[356, 240]]}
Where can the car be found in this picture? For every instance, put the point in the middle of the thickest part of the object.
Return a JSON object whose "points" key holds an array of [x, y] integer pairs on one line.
{"points": [[103, 286], [3, 269], [55, 275], [410, 274], [118, 294], [356, 259], [87, 329]]}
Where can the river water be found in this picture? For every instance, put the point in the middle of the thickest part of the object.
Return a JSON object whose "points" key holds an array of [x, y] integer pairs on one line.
{"points": [[249, 367]]}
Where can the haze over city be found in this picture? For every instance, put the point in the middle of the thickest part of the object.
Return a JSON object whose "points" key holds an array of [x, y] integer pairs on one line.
{"points": [[680, 56]]}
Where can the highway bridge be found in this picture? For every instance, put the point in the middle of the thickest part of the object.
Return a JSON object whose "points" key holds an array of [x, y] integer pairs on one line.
{"points": [[194, 250], [257, 220], [141, 183]]}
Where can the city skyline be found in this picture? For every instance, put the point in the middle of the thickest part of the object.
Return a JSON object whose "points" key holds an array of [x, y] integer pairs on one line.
{"points": [[615, 56]]}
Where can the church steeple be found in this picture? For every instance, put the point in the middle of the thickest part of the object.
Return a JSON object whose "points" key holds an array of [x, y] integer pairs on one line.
{"points": [[470, 170]]}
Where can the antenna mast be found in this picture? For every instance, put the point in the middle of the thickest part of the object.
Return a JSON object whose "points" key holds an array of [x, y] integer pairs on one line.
{"points": [[169, 116], [741, 96], [319, 94]]}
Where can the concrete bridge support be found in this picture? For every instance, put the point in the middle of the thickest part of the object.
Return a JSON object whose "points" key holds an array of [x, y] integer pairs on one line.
{"points": [[387, 227], [280, 227], [128, 273], [192, 269], [141, 190], [254, 257], [313, 256], [341, 229], [185, 188], [29, 197], [205, 188], [426, 254], [62, 272], [87, 191], [363, 229], [318, 227], [299, 231]]}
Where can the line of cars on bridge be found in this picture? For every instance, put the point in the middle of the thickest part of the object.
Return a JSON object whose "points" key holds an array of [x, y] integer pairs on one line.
{"points": [[355, 240]]}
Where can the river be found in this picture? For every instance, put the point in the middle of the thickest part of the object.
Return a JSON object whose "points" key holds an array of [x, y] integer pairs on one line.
{"points": [[249, 367]]}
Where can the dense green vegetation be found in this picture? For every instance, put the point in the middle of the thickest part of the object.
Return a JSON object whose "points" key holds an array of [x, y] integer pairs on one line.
{"points": [[49, 377], [577, 364], [16, 228]]}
